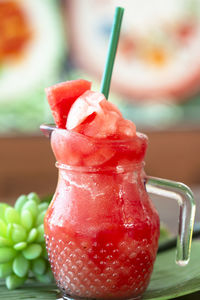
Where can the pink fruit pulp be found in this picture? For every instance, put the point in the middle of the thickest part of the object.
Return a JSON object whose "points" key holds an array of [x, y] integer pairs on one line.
{"points": [[92, 115], [101, 228]]}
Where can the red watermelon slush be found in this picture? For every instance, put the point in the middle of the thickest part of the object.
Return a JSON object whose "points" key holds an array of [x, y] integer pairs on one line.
{"points": [[101, 228]]}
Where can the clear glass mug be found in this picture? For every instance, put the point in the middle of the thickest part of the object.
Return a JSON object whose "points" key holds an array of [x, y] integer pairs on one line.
{"points": [[101, 228]]}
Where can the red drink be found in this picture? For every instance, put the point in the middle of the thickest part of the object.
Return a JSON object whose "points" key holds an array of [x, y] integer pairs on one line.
{"points": [[101, 228]]}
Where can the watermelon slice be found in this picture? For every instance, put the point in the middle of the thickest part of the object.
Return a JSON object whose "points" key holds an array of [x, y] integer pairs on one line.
{"points": [[61, 97]]}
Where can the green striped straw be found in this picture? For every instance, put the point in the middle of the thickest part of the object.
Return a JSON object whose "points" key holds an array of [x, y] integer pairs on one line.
{"points": [[114, 38]]}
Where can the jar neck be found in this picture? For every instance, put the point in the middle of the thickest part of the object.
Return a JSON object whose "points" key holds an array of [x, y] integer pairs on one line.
{"points": [[119, 169]]}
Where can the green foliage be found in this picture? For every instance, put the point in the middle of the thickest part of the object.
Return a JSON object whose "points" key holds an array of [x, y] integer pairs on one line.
{"points": [[22, 245], [20, 266], [164, 233], [170, 280]]}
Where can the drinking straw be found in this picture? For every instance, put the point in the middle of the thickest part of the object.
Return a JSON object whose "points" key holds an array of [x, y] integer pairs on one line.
{"points": [[112, 48]]}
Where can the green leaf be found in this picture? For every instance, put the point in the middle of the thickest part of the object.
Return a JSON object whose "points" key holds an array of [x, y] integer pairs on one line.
{"points": [[40, 235], [31, 206], [31, 290], [20, 202], [6, 269], [9, 231], [39, 266], [32, 235], [6, 254], [21, 266], [33, 196], [13, 282], [3, 207], [45, 278], [20, 246], [12, 215], [43, 206], [47, 198], [33, 251], [164, 233], [26, 218], [4, 242], [44, 252], [3, 228], [169, 280], [40, 218], [18, 233]]}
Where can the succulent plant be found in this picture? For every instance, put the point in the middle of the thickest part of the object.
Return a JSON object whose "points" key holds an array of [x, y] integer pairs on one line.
{"points": [[22, 245]]}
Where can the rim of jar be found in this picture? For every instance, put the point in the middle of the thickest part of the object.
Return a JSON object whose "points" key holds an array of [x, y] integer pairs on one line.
{"points": [[48, 129]]}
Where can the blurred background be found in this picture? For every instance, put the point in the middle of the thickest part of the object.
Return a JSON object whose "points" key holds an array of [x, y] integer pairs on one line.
{"points": [[156, 83]]}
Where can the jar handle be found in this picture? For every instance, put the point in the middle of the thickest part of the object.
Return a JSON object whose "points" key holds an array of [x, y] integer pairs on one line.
{"points": [[187, 207]]}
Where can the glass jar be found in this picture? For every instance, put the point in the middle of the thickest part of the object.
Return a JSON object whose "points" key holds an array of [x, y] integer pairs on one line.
{"points": [[101, 228]]}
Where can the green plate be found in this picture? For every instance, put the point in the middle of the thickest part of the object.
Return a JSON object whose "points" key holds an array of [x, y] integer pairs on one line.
{"points": [[168, 280]]}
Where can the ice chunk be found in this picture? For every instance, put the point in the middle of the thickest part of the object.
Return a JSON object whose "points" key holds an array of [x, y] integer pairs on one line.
{"points": [[92, 115]]}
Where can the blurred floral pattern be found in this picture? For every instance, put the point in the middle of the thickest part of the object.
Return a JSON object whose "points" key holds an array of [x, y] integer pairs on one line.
{"points": [[32, 51], [156, 79]]}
